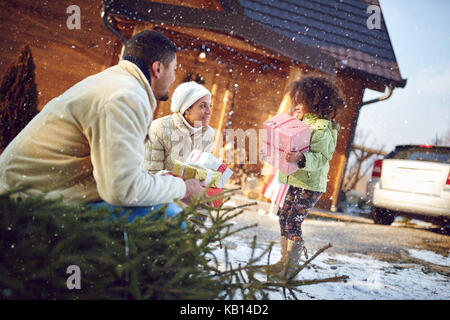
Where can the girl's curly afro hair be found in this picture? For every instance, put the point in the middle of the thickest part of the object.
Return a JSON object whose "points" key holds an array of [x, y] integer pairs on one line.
{"points": [[320, 93]]}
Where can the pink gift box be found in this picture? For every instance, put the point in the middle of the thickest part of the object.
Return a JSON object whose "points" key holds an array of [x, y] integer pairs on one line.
{"points": [[284, 133]]}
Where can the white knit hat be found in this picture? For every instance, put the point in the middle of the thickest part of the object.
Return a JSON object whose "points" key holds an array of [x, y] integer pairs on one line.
{"points": [[186, 94]]}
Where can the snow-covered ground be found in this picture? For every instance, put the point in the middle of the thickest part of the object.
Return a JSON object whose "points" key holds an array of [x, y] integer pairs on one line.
{"points": [[369, 279]]}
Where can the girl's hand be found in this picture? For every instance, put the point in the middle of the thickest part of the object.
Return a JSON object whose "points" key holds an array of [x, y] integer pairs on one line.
{"points": [[294, 156]]}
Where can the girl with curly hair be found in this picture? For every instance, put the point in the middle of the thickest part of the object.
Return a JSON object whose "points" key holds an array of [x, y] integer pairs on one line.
{"points": [[315, 101]]}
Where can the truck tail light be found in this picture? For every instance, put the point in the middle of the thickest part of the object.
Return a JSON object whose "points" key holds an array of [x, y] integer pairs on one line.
{"points": [[448, 179], [376, 171]]}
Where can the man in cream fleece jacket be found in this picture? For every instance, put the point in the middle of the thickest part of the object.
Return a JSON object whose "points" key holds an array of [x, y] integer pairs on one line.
{"points": [[87, 145]]}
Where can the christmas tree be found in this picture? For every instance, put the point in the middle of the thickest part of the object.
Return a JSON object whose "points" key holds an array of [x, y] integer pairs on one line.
{"points": [[152, 257], [18, 97]]}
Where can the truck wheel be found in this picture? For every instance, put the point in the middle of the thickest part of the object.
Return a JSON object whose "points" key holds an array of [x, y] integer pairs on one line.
{"points": [[382, 216]]}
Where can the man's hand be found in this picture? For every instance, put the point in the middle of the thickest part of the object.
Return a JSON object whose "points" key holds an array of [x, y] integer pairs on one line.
{"points": [[294, 156], [193, 187]]}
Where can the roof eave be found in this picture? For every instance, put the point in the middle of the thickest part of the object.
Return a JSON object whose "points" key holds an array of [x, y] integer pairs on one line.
{"points": [[231, 22], [234, 22], [382, 80]]}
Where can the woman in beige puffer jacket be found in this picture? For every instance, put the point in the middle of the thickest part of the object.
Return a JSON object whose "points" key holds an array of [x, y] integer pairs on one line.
{"points": [[173, 137]]}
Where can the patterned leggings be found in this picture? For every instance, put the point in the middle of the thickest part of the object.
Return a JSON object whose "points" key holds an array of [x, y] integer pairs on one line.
{"points": [[294, 211]]}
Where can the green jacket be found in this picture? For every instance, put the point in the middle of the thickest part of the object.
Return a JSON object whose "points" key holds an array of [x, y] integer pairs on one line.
{"points": [[322, 145]]}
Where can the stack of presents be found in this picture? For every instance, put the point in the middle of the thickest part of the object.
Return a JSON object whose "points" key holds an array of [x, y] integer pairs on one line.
{"points": [[282, 133], [203, 166]]}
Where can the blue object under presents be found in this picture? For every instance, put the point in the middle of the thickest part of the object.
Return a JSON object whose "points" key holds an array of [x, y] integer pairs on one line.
{"points": [[171, 210]]}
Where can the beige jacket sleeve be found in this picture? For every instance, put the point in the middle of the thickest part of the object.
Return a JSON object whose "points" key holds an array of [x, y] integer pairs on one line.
{"points": [[117, 153], [154, 149]]}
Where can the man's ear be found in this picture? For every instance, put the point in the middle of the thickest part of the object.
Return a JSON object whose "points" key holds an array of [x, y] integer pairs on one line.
{"points": [[156, 69]]}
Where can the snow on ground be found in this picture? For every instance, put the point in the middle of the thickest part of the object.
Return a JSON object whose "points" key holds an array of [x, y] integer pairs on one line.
{"points": [[430, 256], [369, 279]]}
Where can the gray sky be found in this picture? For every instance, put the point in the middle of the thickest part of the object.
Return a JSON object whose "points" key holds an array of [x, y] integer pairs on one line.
{"points": [[420, 34]]}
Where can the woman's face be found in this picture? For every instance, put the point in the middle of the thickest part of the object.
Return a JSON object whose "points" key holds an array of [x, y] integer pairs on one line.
{"points": [[199, 113]]}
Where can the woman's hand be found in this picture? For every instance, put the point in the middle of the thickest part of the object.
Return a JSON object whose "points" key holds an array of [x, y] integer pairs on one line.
{"points": [[294, 156]]}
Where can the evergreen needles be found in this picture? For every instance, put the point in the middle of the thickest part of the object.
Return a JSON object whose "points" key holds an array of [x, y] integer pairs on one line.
{"points": [[152, 257]]}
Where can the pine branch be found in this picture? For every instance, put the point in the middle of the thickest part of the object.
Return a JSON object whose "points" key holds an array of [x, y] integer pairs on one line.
{"points": [[162, 261]]}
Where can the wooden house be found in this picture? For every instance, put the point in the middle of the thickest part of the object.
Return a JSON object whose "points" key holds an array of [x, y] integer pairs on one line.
{"points": [[247, 52]]}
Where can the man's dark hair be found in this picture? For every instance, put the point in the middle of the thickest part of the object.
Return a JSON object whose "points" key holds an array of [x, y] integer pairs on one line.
{"points": [[150, 46]]}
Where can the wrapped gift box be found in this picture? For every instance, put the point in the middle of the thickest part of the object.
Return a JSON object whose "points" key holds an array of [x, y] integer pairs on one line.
{"points": [[284, 133], [215, 192], [192, 171], [276, 191], [207, 160], [211, 192]]}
